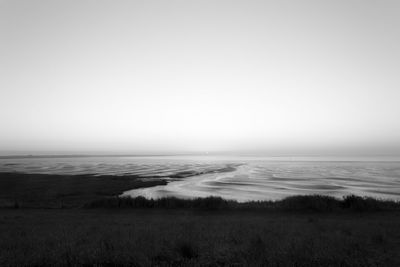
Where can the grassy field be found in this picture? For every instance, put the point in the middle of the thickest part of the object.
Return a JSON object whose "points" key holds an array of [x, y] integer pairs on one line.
{"points": [[156, 237], [49, 220]]}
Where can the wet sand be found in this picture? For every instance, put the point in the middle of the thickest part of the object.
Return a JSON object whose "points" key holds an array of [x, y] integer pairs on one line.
{"points": [[277, 180]]}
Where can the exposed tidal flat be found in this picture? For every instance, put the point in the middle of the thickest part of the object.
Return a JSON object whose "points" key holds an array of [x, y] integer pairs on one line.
{"points": [[235, 178], [269, 180]]}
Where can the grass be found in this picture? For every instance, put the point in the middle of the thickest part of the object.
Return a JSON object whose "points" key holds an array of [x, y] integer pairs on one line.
{"points": [[315, 203], [157, 237], [63, 191]]}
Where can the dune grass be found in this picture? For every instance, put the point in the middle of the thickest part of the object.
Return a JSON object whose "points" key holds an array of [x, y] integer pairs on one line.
{"points": [[316, 203]]}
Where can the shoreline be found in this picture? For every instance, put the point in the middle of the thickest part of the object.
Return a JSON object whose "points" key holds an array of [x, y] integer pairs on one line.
{"points": [[19, 190], [71, 191]]}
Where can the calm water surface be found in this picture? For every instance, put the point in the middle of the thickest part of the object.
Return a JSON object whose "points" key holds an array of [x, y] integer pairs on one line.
{"points": [[239, 178]]}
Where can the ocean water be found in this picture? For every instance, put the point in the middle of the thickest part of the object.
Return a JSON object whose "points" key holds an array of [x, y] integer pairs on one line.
{"points": [[238, 178]]}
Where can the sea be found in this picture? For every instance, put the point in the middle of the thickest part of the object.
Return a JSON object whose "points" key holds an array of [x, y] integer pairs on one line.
{"points": [[240, 178]]}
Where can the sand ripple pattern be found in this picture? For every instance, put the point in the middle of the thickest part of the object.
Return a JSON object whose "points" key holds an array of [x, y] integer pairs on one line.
{"points": [[276, 180], [239, 179]]}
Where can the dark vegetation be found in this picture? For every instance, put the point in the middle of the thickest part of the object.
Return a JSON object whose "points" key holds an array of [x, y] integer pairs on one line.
{"points": [[313, 203], [157, 237], [64, 191], [51, 220]]}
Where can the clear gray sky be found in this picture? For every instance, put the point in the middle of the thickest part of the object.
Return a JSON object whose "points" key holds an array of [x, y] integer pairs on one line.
{"points": [[161, 75]]}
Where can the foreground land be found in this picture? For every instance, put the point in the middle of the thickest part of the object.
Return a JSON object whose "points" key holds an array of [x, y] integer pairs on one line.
{"points": [[53, 220], [156, 237]]}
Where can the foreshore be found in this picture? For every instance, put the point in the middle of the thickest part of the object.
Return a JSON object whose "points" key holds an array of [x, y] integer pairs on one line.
{"points": [[22, 190]]}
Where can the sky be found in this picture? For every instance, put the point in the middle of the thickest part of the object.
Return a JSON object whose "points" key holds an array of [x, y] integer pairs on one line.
{"points": [[158, 76]]}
